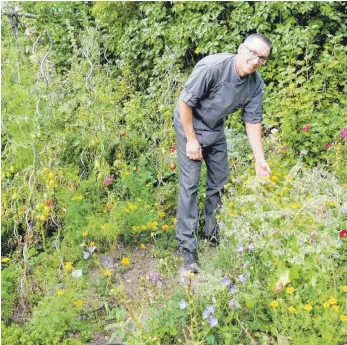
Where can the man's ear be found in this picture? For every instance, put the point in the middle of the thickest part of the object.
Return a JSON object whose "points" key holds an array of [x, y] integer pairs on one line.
{"points": [[239, 49]]}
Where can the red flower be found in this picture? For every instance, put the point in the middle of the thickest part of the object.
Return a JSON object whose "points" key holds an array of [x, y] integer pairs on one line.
{"points": [[49, 203], [327, 145], [108, 180], [285, 148], [343, 233], [306, 128]]}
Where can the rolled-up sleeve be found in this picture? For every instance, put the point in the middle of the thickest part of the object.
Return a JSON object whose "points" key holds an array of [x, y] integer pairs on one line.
{"points": [[197, 85], [252, 111]]}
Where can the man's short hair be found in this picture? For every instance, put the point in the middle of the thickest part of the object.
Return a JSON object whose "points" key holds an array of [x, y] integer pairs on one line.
{"points": [[262, 37]]}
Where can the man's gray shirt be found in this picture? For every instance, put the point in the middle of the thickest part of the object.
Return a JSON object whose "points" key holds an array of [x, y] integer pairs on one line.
{"points": [[214, 90]]}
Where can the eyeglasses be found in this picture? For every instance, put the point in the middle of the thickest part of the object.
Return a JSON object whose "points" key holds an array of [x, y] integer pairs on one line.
{"points": [[252, 54]]}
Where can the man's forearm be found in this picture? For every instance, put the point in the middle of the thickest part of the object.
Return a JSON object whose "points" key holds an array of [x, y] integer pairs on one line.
{"points": [[255, 140], [186, 116]]}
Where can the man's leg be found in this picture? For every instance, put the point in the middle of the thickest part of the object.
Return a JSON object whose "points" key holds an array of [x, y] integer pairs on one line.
{"points": [[216, 158], [187, 208]]}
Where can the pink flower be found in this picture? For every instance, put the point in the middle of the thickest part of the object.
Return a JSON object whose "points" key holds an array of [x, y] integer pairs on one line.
{"points": [[285, 148], [108, 180], [343, 133], [327, 145], [343, 233], [306, 128]]}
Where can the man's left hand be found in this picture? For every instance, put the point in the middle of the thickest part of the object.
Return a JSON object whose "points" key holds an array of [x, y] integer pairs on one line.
{"points": [[262, 168]]}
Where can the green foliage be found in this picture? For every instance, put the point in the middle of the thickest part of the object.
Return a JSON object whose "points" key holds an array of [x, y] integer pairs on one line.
{"points": [[98, 105], [9, 290]]}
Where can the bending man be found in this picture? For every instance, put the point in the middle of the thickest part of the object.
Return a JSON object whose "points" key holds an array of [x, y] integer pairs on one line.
{"points": [[218, 85]]}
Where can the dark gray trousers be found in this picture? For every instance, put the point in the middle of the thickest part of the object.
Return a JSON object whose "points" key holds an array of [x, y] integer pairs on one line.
{"points": [[216, 160]]}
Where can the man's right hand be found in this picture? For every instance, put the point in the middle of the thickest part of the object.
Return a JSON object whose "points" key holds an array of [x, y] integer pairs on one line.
{"points": [[193, 150]]}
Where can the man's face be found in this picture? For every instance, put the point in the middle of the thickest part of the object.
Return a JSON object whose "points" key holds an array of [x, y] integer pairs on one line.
{"points": [[251, 56]]}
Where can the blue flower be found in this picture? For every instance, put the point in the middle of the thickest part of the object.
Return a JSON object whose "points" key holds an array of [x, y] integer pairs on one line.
{"points": [[212, 320], [233, 289], [251, 247], [233, 304], [243, 278], [183, 304], [226, 281], [240, 248], [208, 311]]}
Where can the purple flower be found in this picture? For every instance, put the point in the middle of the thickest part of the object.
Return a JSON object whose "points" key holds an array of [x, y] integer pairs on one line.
{"points": [[108, 180], [233, 304], [343, 133], [226, 281], [208, 311], [251, 247], [183, 274], [211, 308], [240, 248], [233, 289], [155, 278], [183, 304], [243, 278], [212, 320], [205, 314]]}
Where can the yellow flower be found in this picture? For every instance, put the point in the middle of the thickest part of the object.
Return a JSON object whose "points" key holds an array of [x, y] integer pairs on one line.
{"points": [[4, 260], [51, 175], [143, 246], [42, 218], [174, 220], [290, 290], [60, 292], [172, 226], [165, 227], [162, 214], [295, 205], [143, 227], [332, 300], [343, 318], [125, 261], [275, 263], [335, 307], [326, 305], [292, 309], [344, 288], [126, 210], [331, 203], [84, 233], [104, 226], [309, 198], [78, 303], [308, 307], [107, 273], [68, 266], [51, 183], [91, 244], [274, 178], [274, 304]]}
